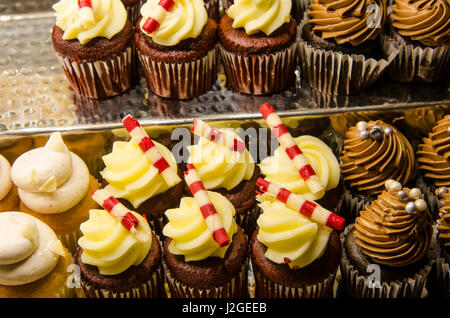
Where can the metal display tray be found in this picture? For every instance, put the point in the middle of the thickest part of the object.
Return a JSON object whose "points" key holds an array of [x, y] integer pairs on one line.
{"points": [[35, 96]]}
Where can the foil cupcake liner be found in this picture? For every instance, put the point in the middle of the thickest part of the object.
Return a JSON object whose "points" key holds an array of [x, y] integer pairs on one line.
{"points": [[237, 287], [153, 288], [260, 74], [180, 80], [265, 288], [417, 64], [360, 286], [103, 78], [334, 73], [213, 10], [442, 269]]}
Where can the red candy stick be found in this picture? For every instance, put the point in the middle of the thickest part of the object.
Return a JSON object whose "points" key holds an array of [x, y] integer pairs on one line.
{"points": [[292, 150], [209, 212], [308, 208], [200, 128], [85, 13], [117, 210], [149, 149], [152, 23]]}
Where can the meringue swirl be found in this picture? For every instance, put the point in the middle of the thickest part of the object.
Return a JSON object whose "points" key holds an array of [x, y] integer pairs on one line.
{"points": [[389, 235], [289, 236], [260, 16], [5, 177], [50, 179], [218, 166], [444, 221], [434, 153], [107, 244], [110, 17], [131, 175], [367, 164], [189, 232], [185, 20], [426, 21], [279, 167], [348, 21], [29, 249]]}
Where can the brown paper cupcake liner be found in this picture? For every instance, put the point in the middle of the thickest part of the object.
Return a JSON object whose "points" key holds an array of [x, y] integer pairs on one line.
{"points": [[430, 197], [103, 78], [180, 80], [70, 240], [237, 287], [213, 10], [134, 12], [352, 204], [226, 4], [334, 73], [260, 74], [247, 220], [417, 64], [299, 7], [153, 288], [358, 286], [442, 277], [265, 288]]}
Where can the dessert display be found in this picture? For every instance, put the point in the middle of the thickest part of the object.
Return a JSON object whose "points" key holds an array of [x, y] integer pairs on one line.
{"points": [[33, 261], [9, 198], [54, 186], [392, 236]]}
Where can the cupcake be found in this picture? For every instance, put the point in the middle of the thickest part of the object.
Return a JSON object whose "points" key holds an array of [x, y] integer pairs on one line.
{"points": [[442, 263], [54, 185], [373, 153], [419, 30], [418, 122], [292, 255], [136, 182], [33, 262], [228, 172], [9, 198], [94, 47], [257, 44], [116, 262], [339, 47], [196, 266], [386, 251], [177, 48], [133, 8]]}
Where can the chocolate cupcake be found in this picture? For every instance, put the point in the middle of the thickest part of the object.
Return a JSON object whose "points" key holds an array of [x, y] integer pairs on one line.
{"points": [[94, 47], [339, 49], [257, 47], [386, 252], [178, 55], [419, 30], [133, 8], [292, 256], [117, 263], [442, 262], [196, 266]]}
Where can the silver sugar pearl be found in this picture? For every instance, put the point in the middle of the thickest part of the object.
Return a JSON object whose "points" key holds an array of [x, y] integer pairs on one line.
{"points": [[410, 208], [441, 191], [376, 132], [388, 131], [392, 185], [403, 195], [364, 134], [361, 125], [420, 204], [414, 194]]}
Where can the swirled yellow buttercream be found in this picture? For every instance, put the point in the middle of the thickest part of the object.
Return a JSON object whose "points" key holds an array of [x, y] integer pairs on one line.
{"points": [[189, 232], [108, 245], [131, 175], [185, 20], [260, 15], [110, 17], [280, 169], [219, 166], [289, 236]]}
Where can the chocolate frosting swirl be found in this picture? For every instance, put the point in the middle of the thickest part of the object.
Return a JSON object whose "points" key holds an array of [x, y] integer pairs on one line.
{"points": [[367, 164], [444, 221], [426, 21], [389, 235], [434, 153], [347, 21]]}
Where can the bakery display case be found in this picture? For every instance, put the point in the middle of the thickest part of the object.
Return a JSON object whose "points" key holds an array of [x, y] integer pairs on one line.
{"points": [[36, 100]]}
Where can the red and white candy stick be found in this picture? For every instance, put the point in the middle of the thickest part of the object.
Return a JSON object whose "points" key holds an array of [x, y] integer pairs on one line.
{"points": [[152, 23], [200, 128], [209, 212], [117, 210], [307, 208], [292, 150], [85, 13], [149, 149]]}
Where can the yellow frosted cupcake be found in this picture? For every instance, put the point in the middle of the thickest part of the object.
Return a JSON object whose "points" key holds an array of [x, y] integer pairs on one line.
{"points": [[54, 186], [33, 262], [9, 198]]}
